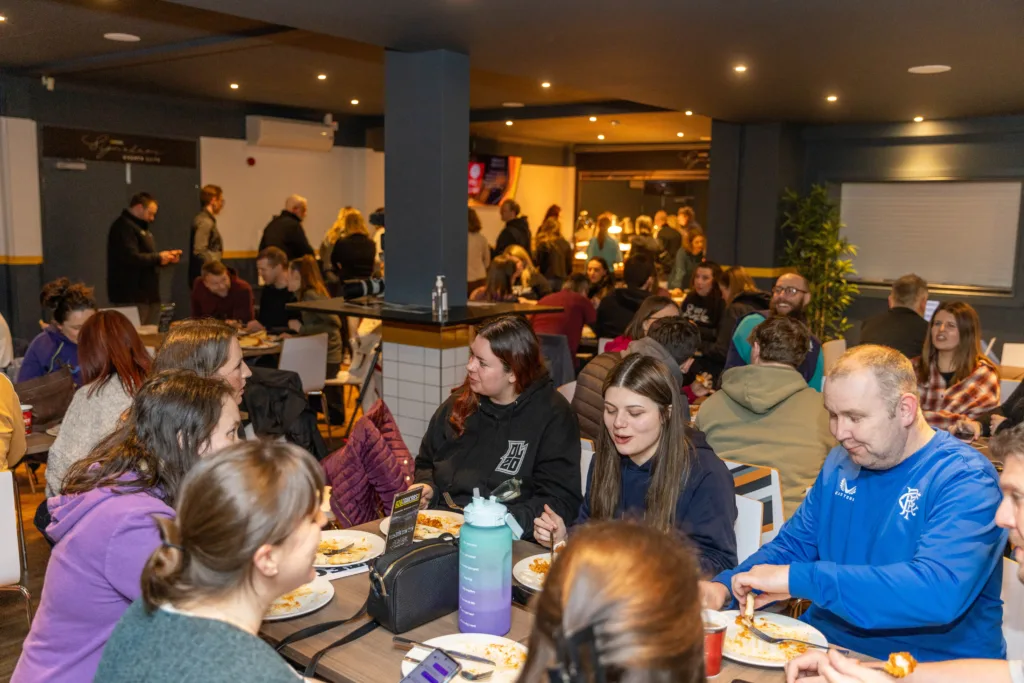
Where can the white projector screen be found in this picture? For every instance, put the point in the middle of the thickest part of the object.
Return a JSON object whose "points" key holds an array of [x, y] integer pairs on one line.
{"points": [[949, 233]]}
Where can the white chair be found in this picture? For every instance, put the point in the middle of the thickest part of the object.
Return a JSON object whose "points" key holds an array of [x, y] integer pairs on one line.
{"points": [[568, 390], [831, 352], [307, 357], [1013, 610], [1007, 387], [747, 527], [130, 312], [1013, 355], [586, 456], [603, 342], [764, 486], [13, 556]]}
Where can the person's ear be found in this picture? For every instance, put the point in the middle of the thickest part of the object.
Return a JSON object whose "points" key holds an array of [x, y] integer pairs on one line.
{"points": [[511, 377], [685, 367], [906, 409], [265, 561], [755, 353]]}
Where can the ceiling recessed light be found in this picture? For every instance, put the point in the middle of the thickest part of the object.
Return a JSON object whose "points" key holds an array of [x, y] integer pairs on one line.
{"points": [[545, 84], [513, 105], [739, 68], [689, 113], [679, 135], [321, 77], [2, 18], [234, 86], [600, 137], [918, 119], [508, 123], [355, 102], [615, 123], [832, 98], [929, 69], [122, 37], [593, 119]]}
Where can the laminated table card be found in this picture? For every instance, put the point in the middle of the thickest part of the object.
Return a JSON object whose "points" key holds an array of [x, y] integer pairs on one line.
{"points": [[404, 512]]}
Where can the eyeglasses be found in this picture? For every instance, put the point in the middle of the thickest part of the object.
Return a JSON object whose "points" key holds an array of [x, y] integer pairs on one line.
{"points": [[790, 291]]}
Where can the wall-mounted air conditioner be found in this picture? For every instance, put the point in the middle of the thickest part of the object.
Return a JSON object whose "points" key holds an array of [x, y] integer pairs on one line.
{"points": [[264, 131]]}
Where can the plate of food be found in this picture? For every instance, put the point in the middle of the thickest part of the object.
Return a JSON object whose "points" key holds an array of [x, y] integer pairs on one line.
{"points": [[54, 430], [744, 647], [430, 524], [302, 600], [532, 571], [365, 546], [509, 655]]}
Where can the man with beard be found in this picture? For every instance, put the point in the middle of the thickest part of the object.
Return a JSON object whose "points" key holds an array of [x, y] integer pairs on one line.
{"points": [[790, 296], [896, 545]]}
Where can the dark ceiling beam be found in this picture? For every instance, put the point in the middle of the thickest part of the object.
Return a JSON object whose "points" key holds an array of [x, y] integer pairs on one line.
{"points": [[141, 55], [561, 111]]}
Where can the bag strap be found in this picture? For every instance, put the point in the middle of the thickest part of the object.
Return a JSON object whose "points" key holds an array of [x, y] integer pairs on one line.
{"points": [[355, 635], [317, 629]]}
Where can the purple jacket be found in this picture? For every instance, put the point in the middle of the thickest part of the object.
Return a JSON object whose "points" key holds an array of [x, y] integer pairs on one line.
{"points": [[103, 542], [373, 466]]}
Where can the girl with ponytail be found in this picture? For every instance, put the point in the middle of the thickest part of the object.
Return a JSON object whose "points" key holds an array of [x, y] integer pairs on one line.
{"points": [[103, 521], [246, 532]]}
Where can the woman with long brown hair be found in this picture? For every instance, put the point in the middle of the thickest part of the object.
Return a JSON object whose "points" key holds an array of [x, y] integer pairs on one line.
{"points": [[624, 595], [506, 420], [649, 465], [704, 305], [602, 283], [553, 253], [56, 346], [497, 288], [246, 532], [103, 520], [602, 245], [957, 382], [114, 364], [652, 308]]}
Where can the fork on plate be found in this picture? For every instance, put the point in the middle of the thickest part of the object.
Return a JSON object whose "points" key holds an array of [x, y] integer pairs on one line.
{"points": [[775, 641]]}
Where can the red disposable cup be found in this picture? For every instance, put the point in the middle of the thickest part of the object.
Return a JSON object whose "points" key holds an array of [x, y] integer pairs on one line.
{"points": [[714, 639], [26, 415]]}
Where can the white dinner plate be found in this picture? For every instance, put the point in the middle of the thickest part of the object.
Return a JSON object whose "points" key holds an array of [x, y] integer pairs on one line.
{"points": [[367, 546], [303, 600], [524, 574], [746, 648], [421, 531], [508, 654]]}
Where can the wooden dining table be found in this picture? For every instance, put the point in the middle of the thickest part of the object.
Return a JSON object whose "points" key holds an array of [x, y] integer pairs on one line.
{"points": [[374, 659]]}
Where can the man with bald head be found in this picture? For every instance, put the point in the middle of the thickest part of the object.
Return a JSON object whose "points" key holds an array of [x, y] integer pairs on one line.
{"points": [[790, 296], [896, 544], [285, 230]]}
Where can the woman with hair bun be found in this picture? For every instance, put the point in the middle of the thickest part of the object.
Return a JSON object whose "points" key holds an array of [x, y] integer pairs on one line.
{"points": [[56, 346], [246, 533], [103, 521]]}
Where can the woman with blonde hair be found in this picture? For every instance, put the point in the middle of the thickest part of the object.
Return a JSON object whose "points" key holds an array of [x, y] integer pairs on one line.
{"points": [[528, 281], [354, 253], [332, 236], [620, 603], [247, 530], [478, 254], [553, 253]]}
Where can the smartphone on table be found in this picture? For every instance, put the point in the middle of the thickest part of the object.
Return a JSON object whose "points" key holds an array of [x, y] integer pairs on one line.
{"points": [[436, 667]]}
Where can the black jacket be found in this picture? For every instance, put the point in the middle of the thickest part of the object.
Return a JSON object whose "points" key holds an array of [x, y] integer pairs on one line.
{"points": [[898, 328], [744, 303], [132, 262], [535, 439], [670, 241], [277, 406], [353, 256], [617, 309], [285, 232], [554, 259], [516, 231]]}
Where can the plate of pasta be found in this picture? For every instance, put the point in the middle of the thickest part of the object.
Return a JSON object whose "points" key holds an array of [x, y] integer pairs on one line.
{"points": [[365, 546], [532, 571], [431, 524], [303, 600]]}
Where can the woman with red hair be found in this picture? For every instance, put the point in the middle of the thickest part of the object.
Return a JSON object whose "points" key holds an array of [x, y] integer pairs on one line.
{"points": [[506, 421], [114, 365]]}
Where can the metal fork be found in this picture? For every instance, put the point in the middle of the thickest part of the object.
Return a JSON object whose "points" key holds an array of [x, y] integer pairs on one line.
{"points": [[336, 551], [775, 641]]}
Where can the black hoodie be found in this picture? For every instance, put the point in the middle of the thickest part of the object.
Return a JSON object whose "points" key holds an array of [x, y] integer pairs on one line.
{"points": [[617, 309], [535, 438], [744, 303], [516, 231]]}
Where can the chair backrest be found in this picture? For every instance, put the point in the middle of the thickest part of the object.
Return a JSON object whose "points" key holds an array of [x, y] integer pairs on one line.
{"points": [[831, 351], [568, 390], [1013, 610], [603, 342], [1013, 355], [747, 527], [555, 349], [130, 312], [10, 538], [586, 456], [763, 485], [306, 357], [1007, 387]]}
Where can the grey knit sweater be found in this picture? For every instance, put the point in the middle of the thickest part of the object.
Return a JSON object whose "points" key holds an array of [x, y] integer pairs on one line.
{"points": [[170, 647]]}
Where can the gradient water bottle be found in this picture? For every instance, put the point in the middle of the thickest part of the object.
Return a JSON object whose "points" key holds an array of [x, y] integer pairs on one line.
{"points": [[485, 567]]}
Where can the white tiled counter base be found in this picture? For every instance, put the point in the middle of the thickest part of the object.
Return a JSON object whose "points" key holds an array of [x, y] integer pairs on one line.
{"points": [[416, 381]]}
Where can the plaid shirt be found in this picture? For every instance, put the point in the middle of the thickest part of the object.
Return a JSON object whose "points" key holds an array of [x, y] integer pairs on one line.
{"points": [[972, 396]]}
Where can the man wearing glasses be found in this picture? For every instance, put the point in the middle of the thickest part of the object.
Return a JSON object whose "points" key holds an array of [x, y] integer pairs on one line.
{"points": [[790, 296]]}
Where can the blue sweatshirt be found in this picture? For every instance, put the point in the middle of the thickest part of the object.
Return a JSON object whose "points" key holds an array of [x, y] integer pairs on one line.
{"points": [[49, 352], [706, 511], [906, 559], [812, 369]]}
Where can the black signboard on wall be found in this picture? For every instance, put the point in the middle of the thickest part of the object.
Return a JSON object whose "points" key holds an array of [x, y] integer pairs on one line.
{"points": [[90, 145]]}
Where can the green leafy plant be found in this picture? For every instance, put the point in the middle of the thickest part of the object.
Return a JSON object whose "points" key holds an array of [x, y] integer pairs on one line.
{"points": [[811, 227]]}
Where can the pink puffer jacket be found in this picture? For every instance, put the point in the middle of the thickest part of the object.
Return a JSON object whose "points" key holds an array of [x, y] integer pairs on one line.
{"points": [[369, 470]]}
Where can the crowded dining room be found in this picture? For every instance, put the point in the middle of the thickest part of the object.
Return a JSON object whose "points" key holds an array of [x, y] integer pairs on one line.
{"points": [[621, 425]]}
